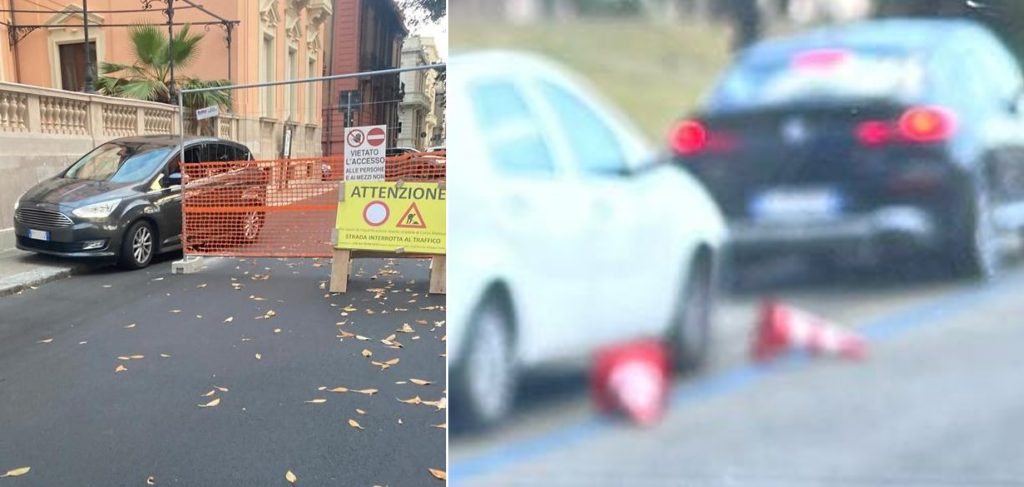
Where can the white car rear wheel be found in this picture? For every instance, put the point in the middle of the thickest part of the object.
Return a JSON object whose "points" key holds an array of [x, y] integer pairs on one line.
{"points": [[690, 337], [487, 378]]}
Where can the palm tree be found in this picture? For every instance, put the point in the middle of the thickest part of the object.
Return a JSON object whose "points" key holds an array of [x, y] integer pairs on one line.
{"points": [[149, 76]]}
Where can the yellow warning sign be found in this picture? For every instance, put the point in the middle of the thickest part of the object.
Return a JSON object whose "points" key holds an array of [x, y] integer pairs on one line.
{"points": [[389, 217], [411, 218]]}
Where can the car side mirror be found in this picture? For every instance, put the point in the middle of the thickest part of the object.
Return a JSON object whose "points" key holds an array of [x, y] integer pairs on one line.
{"points": [[173, 179]]}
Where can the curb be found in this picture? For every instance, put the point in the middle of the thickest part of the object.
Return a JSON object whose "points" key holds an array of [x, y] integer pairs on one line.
{"points": [[19, 282]]}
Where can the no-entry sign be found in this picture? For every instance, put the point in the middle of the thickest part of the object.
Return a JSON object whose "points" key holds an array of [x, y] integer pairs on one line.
{"points": [[364, 152]]}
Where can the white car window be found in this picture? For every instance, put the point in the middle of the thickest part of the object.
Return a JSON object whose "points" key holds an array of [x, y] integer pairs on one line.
{"points": [[511, 133], [594, 144]]}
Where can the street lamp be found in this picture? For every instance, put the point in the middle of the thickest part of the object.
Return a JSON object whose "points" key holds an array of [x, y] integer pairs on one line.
{"points": [[90, 80]]}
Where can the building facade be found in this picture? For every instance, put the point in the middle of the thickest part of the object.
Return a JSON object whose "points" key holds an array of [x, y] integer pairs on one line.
{"points": [[245, 41], [418, 109], [366, 35]]}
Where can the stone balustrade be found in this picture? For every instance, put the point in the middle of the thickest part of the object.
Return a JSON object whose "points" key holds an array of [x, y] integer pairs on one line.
{"points": [[33, 110]]}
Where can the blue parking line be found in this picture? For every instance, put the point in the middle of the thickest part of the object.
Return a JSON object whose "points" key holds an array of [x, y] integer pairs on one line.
{"points": [[731, 381]]}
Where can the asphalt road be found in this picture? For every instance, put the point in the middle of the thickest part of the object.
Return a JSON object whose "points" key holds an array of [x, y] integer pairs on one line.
{"points": [[938, 401], [69, 415]]}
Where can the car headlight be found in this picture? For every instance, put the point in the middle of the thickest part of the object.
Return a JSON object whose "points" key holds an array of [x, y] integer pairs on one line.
{"points": [[97, 210]]}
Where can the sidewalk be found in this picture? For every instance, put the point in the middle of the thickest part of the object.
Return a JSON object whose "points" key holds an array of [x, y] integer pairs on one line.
{"points": [[19, 270]]}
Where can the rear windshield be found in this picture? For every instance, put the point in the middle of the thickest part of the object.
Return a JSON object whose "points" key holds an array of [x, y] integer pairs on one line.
{"points": [[119, 162], [819, 75]]}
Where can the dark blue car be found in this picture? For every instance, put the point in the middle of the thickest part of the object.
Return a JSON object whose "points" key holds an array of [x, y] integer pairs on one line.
{"points": [[877, 140]]}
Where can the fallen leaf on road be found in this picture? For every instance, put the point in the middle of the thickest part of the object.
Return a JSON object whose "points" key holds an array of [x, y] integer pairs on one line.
{"points": [[360, 411], [150, 480], [201, 285], [443, 426], [349, 309], [421, 322], [367, 353], [439, 404], [400, 421], [199, 317], [360, 337], [338, 389], [290, 477], [412, 400], [158, 279], [18, 472], [259, 356], [229, 319], [368, 392], [136, 357], [393, 361], [212, 392], [120, 368], [124, 357], [211, 404], [388, 340], [400, 382], [355, 424], [165, 355], [107, 286], [406, 328], [345, 334], [130, 326], [221, 388], [420, 382], [277, 330], [438, 474], [83, 342], [175, 311], [246, 339], [318, 400], [45, 340]]}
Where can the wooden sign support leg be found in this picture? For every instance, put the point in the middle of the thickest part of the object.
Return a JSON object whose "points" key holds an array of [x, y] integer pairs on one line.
{"points": [[438, 270], [339, 270]]}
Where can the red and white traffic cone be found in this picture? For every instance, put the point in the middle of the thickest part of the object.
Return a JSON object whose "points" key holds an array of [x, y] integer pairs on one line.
{"points": [[633, 379], [784, 328]]}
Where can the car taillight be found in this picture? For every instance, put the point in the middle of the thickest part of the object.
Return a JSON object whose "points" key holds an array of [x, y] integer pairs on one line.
{"points": [[874, 133], [927, 124], [916, 125], [689, 137]]}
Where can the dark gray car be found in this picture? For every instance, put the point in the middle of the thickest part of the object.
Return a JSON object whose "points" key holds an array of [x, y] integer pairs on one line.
{"points": [[122, 200]]}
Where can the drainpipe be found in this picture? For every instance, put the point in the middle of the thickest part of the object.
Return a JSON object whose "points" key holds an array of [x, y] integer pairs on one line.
{"points": [[17, 63]]}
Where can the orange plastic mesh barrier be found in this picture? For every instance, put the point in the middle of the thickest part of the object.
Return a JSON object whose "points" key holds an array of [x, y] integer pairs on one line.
{"points": [[276, 208]]}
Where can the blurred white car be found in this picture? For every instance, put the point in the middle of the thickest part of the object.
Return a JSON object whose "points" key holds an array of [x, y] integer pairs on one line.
{"points": [[567, 231]]}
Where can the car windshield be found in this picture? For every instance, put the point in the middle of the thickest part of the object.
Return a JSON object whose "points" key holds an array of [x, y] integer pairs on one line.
{"points": [[819, 75], [119, 162]]}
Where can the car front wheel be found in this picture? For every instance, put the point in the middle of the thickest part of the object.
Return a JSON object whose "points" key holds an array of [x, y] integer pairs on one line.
{"points": [[487, 378], [138, 245]]}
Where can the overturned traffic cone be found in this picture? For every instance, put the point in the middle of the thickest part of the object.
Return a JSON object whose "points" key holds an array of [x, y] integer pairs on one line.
{"points": [[632, 379], [783, 328]]}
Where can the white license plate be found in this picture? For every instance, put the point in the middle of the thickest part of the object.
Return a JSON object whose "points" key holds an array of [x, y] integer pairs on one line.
{"points": [[797, 204], [39, 234]]}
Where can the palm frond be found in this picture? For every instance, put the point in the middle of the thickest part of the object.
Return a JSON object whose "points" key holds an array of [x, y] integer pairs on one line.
{"points": [[149, 45], [145, 89], [185, 47], [204, 99]]}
